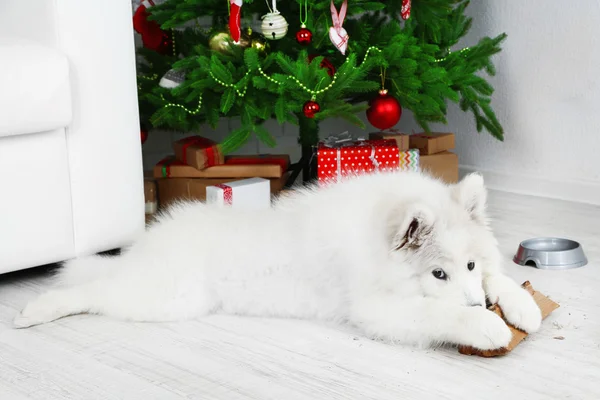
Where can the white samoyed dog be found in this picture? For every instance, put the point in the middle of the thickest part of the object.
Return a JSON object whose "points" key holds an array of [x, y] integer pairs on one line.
{"points": [[400, 256]]}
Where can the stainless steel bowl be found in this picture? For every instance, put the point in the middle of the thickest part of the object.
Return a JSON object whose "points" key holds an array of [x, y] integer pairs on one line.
{"points": [[550, 253]]}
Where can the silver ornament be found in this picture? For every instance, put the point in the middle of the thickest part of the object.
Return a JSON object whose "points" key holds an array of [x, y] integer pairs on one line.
{"points": [[274, 26], [172, 79]]}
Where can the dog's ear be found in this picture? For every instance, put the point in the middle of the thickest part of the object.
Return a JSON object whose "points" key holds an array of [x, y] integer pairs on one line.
{"points": [[471, 194], [411, 229]]}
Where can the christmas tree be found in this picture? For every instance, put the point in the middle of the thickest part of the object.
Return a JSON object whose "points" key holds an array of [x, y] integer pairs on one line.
{"points": [[304, 61]]}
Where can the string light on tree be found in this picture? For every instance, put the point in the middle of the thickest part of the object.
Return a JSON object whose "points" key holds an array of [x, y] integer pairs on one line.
{"points": [[384, 110], [274, 26], [304, 35], [310, 107]]}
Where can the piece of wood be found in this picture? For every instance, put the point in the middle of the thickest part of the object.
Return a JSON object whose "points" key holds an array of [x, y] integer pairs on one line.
{"points": [[544, 303]]}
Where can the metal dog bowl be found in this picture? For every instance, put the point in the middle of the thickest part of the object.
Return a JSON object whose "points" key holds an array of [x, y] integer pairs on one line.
{"points": [[551, 253]]}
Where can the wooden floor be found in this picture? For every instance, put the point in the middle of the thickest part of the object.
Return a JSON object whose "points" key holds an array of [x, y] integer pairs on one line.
{"points": [[222, 357]]}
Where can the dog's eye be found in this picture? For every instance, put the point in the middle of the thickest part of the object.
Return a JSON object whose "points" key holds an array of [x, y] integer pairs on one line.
{"points": [[439, 274], [471, 265]]}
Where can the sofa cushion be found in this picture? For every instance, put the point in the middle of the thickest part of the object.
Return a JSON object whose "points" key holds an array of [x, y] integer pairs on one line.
{"points": [[35, 94]]}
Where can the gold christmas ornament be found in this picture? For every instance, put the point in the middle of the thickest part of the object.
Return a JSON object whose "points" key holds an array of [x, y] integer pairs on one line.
{"points": [[222, 42], [259, 42]]}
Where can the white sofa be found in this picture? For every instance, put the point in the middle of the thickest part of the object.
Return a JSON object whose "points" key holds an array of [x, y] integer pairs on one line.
{"points": [[70, 156]]}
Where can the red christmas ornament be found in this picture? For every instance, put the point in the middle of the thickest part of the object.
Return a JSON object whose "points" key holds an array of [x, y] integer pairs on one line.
{"points": [[310, 108], [153, 37], [324, 64], [384, 111], [143, 135], [304, 36]]}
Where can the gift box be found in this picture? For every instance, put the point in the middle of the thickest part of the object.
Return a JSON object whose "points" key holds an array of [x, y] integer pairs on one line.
{"points": [[176, 189], [150, 196], [442, 165], [198, 152], [246, 194], [356, 157], [401, 138], [432, 143], [409, 160], [252, 166], [341, 156]]}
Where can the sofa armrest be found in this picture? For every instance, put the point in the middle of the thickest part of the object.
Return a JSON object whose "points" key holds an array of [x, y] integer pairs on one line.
{"points": [[103, 139], [104, 145]]}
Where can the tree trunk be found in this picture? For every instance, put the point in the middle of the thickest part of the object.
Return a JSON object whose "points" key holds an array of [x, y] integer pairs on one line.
{"points": [[308, 138]]}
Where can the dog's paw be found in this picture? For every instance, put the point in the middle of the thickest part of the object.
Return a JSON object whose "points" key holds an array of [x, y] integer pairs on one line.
{"points": [[486, 330], [36, 312], [23, 321], [518, 306], [26, 319], [521, 311]]}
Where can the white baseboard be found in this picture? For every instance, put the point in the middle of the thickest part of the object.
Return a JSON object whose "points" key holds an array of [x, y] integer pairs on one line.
{"points": [[572, 190]]}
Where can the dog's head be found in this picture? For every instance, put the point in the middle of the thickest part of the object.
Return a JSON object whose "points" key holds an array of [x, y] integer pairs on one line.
{"points": [[446, 242]]}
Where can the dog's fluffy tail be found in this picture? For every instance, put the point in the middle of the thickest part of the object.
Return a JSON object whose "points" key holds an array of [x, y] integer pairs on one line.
{"points": [[81, 286]]}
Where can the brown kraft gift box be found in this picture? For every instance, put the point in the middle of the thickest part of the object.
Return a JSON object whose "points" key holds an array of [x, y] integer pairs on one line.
{"points": [[198, 152], [271, 166], [401, 138], [150, 197], [173, 189], [432, 143], [443, 165]]}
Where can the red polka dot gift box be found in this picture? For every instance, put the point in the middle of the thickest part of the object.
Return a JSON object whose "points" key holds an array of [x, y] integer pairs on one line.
{"points": [[341, 156]]}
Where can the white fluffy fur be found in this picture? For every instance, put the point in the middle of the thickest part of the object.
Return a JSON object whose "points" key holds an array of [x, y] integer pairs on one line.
{"points": [[361, 252]]}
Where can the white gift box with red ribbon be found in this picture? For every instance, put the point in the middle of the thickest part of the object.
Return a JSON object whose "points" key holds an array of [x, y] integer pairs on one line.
{"points": [[246, 194]]}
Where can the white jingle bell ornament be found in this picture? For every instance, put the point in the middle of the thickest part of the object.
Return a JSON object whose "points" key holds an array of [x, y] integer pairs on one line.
{"points": [[274, 26]]}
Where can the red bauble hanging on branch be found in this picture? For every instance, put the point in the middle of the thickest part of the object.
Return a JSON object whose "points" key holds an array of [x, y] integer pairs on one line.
{"points": [[153, 37], [384, 111], [310, 108], [304, 36]]}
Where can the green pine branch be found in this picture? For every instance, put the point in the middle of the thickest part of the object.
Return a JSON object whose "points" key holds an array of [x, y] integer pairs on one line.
{"points": [[423, 64]]}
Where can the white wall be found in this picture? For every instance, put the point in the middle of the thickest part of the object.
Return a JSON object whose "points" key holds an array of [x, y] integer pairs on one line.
{"points": [[547, 98]]}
